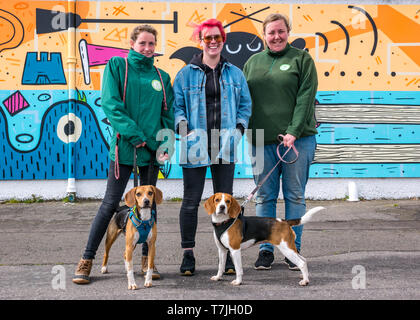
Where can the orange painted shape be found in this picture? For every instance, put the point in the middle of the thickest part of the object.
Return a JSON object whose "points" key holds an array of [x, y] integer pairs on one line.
{"points": [[401, 30], [396, 26], [226, 16]]}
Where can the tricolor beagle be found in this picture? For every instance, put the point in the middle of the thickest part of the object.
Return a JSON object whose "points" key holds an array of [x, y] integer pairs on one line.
{"points": [[233, 232], [141, 216]]}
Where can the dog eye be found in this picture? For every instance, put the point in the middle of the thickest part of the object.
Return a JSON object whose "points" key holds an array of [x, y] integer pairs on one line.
{"points": [[150, 193], [217, 200], [138, 194], [227, 201]]}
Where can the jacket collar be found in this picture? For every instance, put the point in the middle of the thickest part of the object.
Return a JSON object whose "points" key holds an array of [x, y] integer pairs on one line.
{"points": [[197, 60], [278, 53], [140, 61]]}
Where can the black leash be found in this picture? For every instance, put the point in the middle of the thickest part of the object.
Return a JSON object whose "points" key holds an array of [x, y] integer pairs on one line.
{"points": [[149, 171]]}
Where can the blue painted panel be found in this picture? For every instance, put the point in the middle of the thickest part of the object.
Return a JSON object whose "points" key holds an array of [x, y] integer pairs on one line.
{"points": [[369, 170], [31, 149], [47, 70], [368, 133], [369, 97]]}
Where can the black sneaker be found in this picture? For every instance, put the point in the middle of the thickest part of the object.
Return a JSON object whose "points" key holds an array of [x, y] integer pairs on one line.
{"points": [[188, 263], [229, 266], [291, 265], [264, 261]]}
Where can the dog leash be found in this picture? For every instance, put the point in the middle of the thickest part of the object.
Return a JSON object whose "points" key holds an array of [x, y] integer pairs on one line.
{"points": [[135, 169], [281, 159]]}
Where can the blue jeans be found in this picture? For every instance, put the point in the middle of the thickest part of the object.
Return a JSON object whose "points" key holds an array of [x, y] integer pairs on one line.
{"points": [[293, 177]]}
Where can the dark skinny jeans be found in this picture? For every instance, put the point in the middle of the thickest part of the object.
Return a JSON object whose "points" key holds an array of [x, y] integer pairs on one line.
{"points": [[194, 179], [114, 191]]}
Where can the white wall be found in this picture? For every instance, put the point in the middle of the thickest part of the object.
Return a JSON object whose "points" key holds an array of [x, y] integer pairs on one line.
{"points": [[317, 189]]}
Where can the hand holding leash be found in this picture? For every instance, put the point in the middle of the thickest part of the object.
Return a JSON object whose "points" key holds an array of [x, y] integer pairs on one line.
{"points": [[163, 157], [290, 140]]}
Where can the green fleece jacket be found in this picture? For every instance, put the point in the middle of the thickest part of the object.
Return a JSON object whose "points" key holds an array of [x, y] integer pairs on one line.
{"points": [[283, 87], [143, 115]]}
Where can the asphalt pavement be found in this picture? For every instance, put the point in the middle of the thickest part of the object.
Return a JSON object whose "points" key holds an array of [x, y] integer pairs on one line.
{"points": [[366, 250]]}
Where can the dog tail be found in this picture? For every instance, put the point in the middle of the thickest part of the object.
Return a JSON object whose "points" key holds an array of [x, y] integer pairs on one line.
{"points": [[308, 215]]}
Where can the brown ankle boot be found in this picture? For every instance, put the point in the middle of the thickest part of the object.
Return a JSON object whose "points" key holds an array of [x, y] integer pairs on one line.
{"points": [[81, 276], [144, 267]]}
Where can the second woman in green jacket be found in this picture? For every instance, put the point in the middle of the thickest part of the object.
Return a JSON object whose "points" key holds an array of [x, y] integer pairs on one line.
{"points": [[283, 83]]}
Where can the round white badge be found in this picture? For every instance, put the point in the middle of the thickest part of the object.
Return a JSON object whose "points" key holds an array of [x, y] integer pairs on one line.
{"points": [[285, 67], [156, 85]]}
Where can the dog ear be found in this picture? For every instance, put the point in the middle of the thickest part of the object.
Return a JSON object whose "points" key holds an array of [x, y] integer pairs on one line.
{"points": [[234, 209], [158, 195], [209, 205], [130, 197]]}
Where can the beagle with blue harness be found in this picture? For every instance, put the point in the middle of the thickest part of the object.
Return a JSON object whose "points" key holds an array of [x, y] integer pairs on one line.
{"points": [[139, 226]]}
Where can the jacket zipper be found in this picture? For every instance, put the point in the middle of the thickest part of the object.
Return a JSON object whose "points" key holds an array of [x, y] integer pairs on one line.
{"points": [[272, 63], [215, 98]]}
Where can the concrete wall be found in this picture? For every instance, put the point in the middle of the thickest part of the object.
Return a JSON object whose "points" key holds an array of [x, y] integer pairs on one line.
{"points": [[54, 136]]}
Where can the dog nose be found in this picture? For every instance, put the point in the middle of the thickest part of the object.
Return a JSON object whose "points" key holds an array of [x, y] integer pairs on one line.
{"points": [[146, 202], [222, 207]]}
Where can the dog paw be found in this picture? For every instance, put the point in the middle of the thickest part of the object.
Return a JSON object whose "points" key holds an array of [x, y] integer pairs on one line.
{"points": [[215, 278], [132, 286], [104, 269], [148, 284], [303, 282], [236, 282]]}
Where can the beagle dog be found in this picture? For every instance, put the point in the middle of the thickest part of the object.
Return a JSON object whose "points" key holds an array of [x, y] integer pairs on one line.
{"points": [[234, 231], [139, 225]]}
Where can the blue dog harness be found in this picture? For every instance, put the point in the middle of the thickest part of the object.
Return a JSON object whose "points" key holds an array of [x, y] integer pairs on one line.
{"points": [[143, 226]]}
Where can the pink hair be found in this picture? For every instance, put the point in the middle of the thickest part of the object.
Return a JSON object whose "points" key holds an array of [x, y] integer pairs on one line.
{"points": [[210, 23]]}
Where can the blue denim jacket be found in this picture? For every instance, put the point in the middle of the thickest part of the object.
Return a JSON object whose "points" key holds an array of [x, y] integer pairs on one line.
{"points": [[190, 105]]}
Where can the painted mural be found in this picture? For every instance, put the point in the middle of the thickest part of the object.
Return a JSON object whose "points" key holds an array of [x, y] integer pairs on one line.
{"points": [[52, 56]]}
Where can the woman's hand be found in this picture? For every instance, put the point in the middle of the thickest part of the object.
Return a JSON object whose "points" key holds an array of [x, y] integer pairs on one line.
{"points": [[163, 157], [288, 140]]}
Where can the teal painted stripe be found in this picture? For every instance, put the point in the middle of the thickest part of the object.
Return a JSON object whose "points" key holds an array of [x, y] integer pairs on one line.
{"points": [[369, 97], [319, 170], [370, 170], [368, 134]]}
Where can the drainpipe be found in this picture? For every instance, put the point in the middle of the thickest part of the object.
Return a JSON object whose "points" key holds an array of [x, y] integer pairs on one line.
{"points": [[71, 67]]}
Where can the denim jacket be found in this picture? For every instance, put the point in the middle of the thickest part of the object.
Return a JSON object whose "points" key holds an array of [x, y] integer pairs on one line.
{"points": [[190, 106]]}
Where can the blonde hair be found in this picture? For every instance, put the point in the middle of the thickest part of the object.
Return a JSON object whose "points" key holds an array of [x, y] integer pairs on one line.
{"points": [[275, 17], [143, 28]]}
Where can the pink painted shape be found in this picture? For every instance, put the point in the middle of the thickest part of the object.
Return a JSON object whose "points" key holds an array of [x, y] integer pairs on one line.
{"points": [[99, 55], [15, 103]]}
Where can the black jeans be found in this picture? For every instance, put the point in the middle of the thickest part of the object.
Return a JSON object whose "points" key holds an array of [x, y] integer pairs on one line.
{"points": [[114, 191], [194, 179]]}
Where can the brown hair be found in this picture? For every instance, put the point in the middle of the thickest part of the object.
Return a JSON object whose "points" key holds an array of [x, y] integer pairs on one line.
{"points": [[275, 17], [143, 28]]}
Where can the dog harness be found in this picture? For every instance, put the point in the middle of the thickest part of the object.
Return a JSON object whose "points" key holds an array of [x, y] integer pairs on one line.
{"points": [[143, 226], [221, 228]]}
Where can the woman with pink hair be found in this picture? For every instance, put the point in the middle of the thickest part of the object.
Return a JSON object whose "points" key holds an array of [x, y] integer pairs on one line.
{"points": [[212, 107]]}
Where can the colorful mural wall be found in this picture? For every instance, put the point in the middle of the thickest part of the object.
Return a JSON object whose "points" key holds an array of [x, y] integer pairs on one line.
{"points": [[52, 56]]}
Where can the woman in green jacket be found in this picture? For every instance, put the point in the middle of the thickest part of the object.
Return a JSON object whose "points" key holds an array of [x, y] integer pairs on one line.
{"points": [[137, 107], [283, 82]]}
